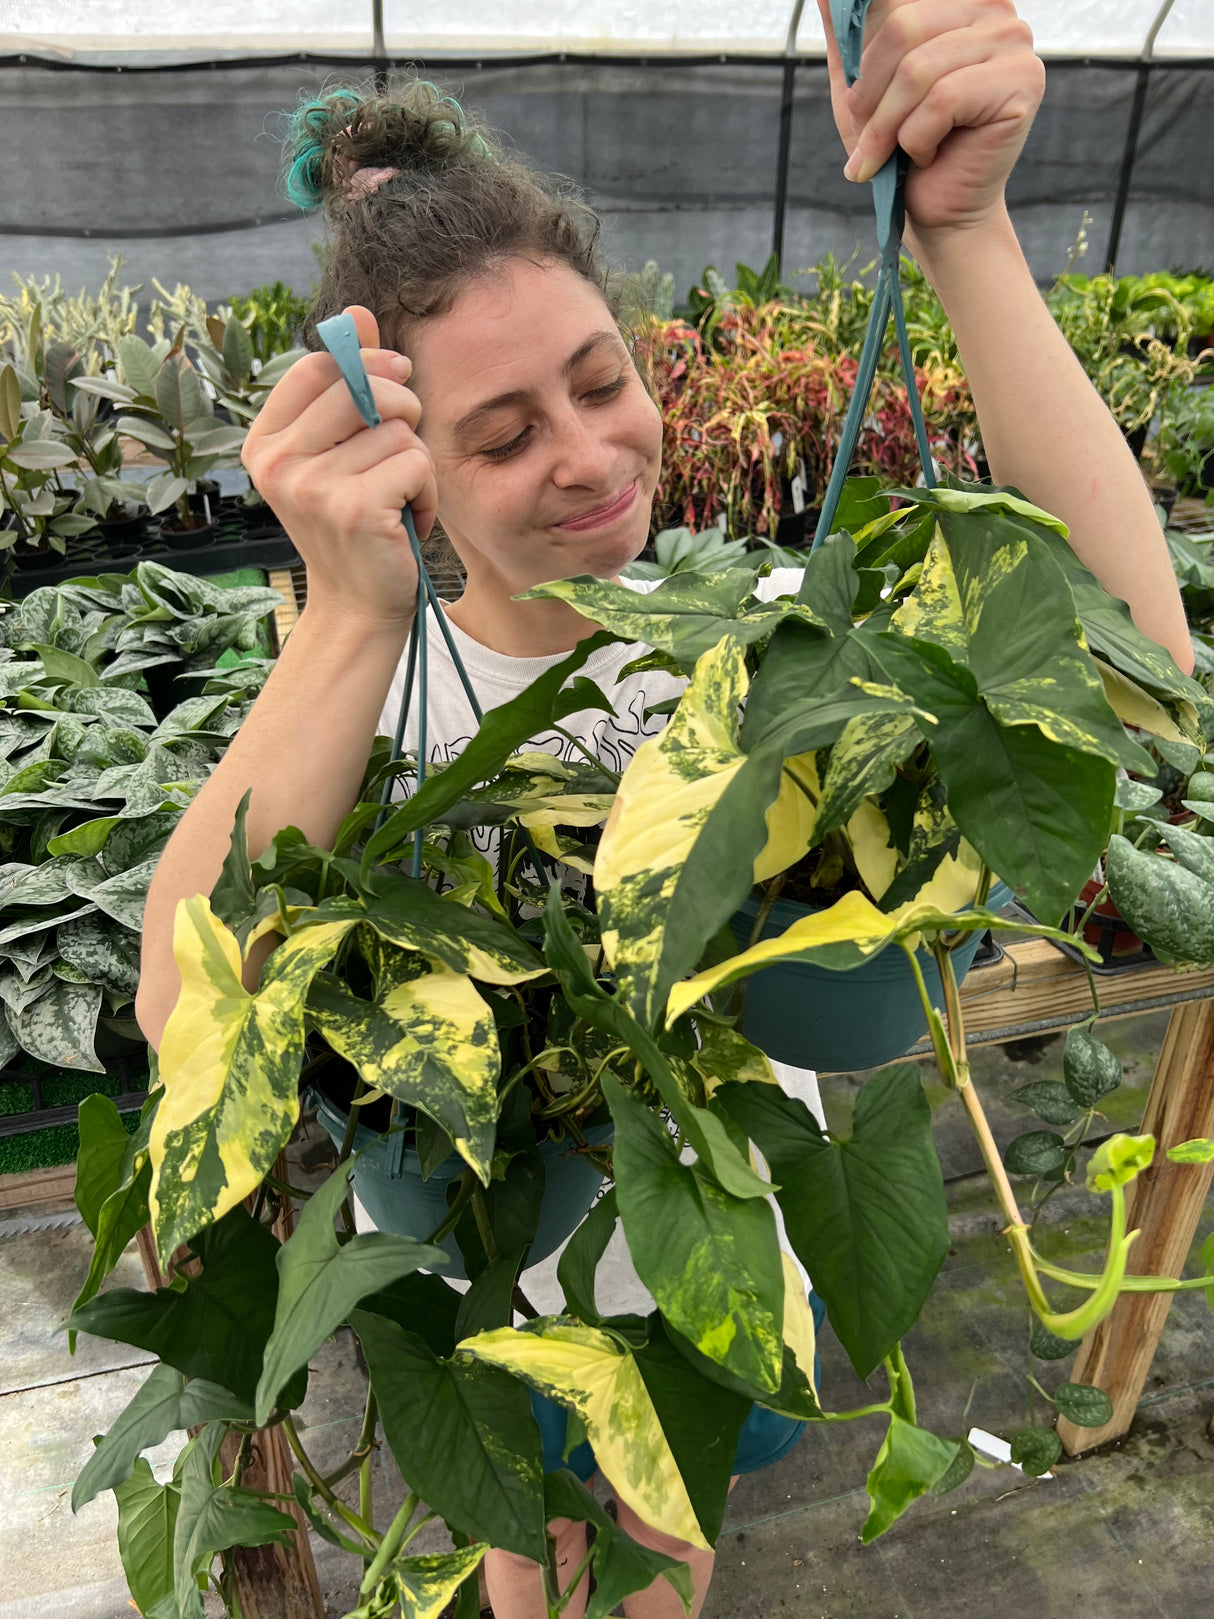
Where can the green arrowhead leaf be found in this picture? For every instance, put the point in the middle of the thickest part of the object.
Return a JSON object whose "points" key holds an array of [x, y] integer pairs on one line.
{"points": [[866, 1217], [909, 1463], [216, 1326], [462, 1434], [1090, 1070], [165, 1403], [321, 1280], [147, 1520]]}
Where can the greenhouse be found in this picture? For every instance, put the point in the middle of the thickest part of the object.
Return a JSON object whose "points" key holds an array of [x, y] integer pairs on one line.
{"points": [[607, 808]]}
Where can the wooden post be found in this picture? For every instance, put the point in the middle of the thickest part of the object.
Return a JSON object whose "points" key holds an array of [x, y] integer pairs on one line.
{"points": [[1165, 1204], [273, 1582]]}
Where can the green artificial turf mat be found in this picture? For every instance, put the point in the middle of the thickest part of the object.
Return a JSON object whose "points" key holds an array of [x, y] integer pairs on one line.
{"points": [[58, 1143]]}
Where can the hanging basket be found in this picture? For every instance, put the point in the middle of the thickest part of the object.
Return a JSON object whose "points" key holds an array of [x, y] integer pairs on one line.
{"points": [[388, 1183], [842, 1022]]}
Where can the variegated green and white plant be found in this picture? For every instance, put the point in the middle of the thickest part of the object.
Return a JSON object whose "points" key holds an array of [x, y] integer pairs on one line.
{"points": [[927, 711], [92, 780]]}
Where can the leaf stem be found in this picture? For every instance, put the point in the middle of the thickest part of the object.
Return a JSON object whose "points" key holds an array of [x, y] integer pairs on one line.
{"points": [[320, 1488], [389, 1545]]}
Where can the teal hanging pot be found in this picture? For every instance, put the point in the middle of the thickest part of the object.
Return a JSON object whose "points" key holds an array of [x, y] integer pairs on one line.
{"points": [[811, 1017], [388, 1183]]}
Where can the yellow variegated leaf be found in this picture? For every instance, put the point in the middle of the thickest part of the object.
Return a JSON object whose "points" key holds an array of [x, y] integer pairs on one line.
{"points": [[935, 612], [229, 1061], [790, 820], [540, 763], [575, 809], [872, 847], [840, 937], [862, 762], [953, 884], [799, 1334], [724, 1055], [428, 1039], [665, 797], [545, 838], [426, 1584], [1133, 706], [594, 1374], [968, 500]]}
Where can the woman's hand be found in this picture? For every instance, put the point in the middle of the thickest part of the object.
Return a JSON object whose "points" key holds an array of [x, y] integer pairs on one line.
{"points": [[338, 486], [955, 83]]}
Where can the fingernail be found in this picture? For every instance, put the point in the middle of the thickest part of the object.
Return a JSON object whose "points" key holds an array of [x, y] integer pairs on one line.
{"points": [[851, 170], [402, 365]]}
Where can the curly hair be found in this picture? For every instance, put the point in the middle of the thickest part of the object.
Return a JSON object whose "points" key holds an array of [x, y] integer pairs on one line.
{"points": [[457, 205]]}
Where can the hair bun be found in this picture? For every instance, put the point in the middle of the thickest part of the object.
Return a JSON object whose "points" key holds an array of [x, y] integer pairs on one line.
{"points": [[413, 128]]}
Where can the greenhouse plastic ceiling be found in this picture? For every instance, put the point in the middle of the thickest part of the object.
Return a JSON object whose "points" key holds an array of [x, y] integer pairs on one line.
{"points": [[108, 29]]}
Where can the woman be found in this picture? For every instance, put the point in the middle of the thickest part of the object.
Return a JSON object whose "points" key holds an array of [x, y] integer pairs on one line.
{"points": [[512, 412]]}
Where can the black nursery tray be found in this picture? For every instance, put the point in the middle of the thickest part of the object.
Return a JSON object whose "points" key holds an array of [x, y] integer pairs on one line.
{"points": [[1109, 926], [238, 541]]}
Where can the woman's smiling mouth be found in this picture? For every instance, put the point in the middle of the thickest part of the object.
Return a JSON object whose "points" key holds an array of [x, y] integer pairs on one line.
{"points": [[601, 516]]}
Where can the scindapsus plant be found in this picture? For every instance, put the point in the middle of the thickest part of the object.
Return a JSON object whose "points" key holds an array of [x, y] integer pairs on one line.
{"points": [[928, 711]]}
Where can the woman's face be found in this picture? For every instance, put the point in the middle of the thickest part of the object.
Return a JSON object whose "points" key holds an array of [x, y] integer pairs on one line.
{"points": [[546, 445]]}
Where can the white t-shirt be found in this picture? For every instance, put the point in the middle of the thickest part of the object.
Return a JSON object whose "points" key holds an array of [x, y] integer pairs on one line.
{"points": [[496, 678]]}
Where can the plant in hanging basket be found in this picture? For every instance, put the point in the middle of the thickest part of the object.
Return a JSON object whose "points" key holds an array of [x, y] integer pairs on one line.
{"points": [[482, 1015], [896, 746]]}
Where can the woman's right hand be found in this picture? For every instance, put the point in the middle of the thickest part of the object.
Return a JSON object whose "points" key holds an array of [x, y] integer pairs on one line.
{"points": [[338, 486]]}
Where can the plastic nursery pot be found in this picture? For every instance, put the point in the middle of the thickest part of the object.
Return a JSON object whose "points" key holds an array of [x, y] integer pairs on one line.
{"points": [[836, 1022], [1109, 938], [187, 539], [388, 1183]]}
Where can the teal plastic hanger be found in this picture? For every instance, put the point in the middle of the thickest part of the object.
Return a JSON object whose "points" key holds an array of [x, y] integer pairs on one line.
{"points": [[889, 204], [340, 336]]}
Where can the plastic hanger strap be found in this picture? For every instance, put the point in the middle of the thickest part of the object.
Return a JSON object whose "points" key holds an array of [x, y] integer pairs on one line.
{"points": [[889, 205], [340, 336]]}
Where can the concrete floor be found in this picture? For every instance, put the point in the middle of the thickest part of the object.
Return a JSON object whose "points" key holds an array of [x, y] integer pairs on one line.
{"points": [[1125, 1531]]}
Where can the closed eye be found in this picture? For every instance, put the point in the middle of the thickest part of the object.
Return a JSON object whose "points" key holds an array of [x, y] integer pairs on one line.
{"points": [[502, 452]]}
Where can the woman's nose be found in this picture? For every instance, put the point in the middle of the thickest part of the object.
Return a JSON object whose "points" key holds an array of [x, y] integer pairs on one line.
{"points": [[581, 456]]}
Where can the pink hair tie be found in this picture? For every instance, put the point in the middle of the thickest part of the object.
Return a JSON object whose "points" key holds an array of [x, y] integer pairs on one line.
{"points": [[359, 182]]}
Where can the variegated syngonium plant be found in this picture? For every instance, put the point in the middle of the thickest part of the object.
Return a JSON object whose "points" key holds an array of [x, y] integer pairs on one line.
{"points": [[947, 696]]}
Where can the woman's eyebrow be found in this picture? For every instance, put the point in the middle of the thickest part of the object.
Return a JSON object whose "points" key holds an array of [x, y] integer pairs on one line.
{"points": [[469, 422]]}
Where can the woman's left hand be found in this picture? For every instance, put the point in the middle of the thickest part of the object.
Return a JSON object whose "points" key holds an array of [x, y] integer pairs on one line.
{"points": [[956, 84]]}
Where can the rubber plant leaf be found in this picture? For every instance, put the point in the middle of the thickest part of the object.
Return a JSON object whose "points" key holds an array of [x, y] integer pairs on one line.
{"points": [[594, 1374], [229, 1061]]}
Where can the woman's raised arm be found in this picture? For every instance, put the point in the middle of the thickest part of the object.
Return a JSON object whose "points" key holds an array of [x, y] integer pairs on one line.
{"points": [[338, 489], [956, 84]]}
